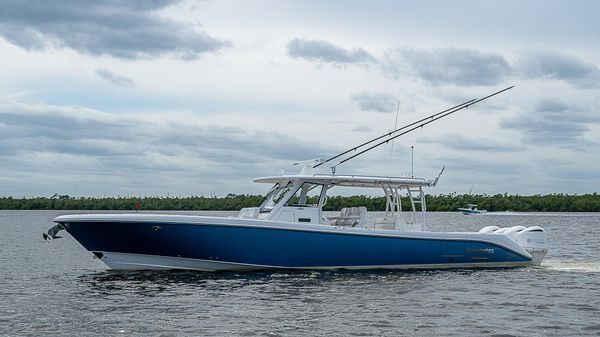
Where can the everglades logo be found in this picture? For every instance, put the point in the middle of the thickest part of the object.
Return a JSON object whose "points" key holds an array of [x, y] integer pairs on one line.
{"points": [[479, 250]]}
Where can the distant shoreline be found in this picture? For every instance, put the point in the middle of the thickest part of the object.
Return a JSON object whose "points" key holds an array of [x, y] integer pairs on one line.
{"points": [[232, 202]]}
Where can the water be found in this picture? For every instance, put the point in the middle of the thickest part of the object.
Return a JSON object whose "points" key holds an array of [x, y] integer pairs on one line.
{"points": [[56, 288]]}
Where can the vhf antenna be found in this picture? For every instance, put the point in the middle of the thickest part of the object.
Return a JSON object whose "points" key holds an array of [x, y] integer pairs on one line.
{"points": [[408, 128]]}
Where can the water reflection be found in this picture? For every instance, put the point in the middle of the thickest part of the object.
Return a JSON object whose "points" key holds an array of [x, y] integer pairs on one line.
{"points": [[164, 283], [57, 289], [246, 278]]}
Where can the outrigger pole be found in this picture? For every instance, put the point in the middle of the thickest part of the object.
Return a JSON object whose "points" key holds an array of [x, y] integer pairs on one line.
{"points": [[391, 133], [411, 127]]}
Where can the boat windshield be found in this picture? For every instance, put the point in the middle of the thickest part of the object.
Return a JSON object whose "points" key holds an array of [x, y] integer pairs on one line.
{"points": [[302, 198], [274, 196]]}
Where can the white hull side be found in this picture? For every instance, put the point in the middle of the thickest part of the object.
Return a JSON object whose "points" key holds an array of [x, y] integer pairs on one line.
{"points": [[126, 261]]}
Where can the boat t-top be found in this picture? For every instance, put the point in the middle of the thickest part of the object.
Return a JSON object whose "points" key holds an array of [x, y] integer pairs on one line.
{"points": [[472, 209], [289, 229]]}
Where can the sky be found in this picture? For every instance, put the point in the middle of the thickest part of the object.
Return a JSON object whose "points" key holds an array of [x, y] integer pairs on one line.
{"points": [[161, 97]]}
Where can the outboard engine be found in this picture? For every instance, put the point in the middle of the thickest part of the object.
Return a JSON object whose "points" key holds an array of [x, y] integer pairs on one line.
{"points": [[535, 241], [488, 229]]}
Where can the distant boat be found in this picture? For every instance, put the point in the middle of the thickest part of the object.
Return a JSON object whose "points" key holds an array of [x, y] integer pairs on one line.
{"points": [[472, 209]]}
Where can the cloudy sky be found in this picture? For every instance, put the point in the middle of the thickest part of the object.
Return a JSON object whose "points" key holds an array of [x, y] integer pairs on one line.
{"points": [[195, 97]]}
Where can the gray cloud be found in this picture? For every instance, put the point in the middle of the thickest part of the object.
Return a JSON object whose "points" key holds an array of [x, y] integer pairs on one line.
{"points": [[553, 122], [326, 52], [115, 79], [85, 131], [558, 66], [460, 143], [84, 142], [450, 66], [124, 29], [361, 128], [455, 66], [376, 101]]}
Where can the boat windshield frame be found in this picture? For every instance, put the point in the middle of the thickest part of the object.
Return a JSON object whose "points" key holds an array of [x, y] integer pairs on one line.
{"points": [[274, 196], [301, 193]]}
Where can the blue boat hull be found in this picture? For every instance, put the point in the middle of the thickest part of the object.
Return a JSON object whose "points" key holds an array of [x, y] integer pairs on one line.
{"points": [[159, 245]]}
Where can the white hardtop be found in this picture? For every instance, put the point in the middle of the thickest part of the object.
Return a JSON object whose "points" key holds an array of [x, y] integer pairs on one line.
{"points": [[350, 180], [289, 198]]}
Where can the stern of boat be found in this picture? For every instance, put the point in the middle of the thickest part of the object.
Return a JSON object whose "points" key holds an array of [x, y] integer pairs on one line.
{"points": [[533, 239]]}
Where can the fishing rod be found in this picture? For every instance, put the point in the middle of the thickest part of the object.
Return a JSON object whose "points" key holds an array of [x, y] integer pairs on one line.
{"points": [[392, 132], [421, 124]]}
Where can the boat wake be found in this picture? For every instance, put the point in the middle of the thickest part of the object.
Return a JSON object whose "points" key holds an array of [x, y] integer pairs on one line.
{"points": [[572, 266]]}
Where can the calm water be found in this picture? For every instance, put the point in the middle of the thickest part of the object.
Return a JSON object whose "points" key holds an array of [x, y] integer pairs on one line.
{"points": [[56, 288]]}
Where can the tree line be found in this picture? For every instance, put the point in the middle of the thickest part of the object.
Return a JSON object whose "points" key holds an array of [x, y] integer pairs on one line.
{"points": [[232, 202]]}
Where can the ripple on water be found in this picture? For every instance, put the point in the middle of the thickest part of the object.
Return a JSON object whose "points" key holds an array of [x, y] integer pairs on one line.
{"points": [[593, 327], [55, 288]]}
